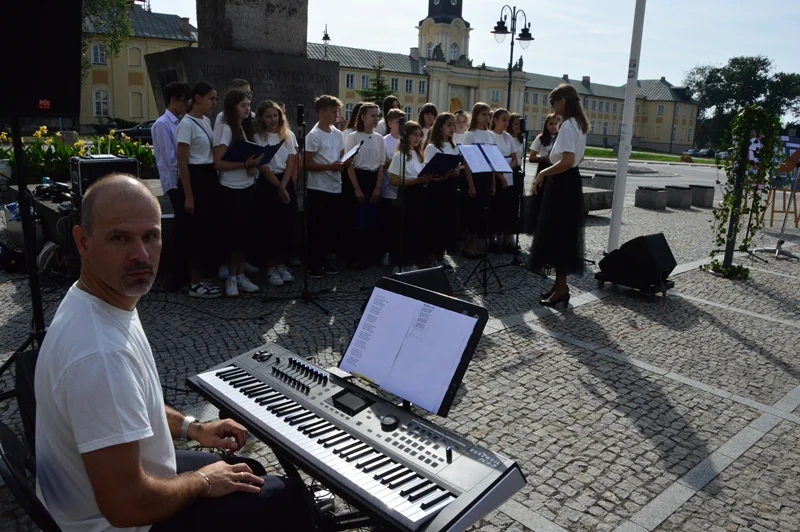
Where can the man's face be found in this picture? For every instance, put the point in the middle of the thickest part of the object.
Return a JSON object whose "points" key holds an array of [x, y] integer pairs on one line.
{"points": [[124, 247]]}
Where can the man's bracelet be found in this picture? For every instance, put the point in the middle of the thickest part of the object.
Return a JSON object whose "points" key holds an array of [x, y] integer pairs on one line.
{"points": [[207, 480]]}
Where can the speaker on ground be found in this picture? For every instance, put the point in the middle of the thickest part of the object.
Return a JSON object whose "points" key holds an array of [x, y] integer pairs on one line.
{"points": [[644, 263]]}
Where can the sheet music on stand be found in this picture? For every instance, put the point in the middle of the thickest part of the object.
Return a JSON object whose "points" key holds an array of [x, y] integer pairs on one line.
{"points": [[486, 158], [415, 343]]}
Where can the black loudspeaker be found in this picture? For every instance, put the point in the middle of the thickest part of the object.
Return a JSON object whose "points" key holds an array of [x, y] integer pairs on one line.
{"points": [[433, 279], [87, 169], [44, 74], [643, 263]]}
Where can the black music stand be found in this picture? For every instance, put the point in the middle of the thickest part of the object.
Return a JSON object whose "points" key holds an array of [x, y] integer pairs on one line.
{"points": [[36, 335], [306, 295], [484, 263]]}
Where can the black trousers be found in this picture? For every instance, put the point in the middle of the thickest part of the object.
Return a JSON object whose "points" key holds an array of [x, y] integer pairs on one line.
{"points": [[324, 225], [282, 504], [180, 260]]}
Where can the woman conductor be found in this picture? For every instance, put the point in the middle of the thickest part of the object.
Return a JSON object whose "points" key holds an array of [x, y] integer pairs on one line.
{"points": [[558, 239]]}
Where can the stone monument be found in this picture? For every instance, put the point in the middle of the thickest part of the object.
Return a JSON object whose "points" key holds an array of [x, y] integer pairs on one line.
{"points": [[262, 41]]}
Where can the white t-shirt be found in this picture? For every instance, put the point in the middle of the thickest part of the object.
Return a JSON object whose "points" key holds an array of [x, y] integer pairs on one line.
{"points": [[479, 136], [458, 138], [327, 149], [570, 139], [372, 154], [447, 148], [381, 128], [505, 143], [541, 151], [96, 386], [230, 178], [347, 132], [197, 133], [278, 162], [519, 147], [425, 131], [388, 190], [413, 166]]}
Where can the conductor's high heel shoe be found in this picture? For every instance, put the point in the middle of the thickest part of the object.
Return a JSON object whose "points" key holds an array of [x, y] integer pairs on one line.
{"points": [[546, 295], [563, 299]]}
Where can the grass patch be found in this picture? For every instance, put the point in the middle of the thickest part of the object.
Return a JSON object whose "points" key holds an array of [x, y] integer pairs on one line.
{"points": [[606, 153]]}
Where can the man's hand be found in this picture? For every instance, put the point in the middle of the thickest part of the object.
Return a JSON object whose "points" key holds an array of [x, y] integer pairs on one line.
{"points": [[221, 434], [228, 478]]}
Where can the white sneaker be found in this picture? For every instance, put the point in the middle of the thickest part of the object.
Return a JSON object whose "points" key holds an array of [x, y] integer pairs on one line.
{"points": [[387, 259], [249, 268], [246, 284], [286, 275], [231, 288], [223, 271], [274, 277]]}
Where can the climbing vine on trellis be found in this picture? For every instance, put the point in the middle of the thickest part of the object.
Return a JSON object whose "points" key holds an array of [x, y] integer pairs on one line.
{"points": [[755, 182]]}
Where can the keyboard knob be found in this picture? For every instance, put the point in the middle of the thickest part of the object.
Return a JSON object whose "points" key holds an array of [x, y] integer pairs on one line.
{"points": [[389, 423]]}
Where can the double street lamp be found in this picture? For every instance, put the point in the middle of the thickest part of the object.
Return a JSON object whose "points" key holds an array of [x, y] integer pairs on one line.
{"points": [[525, 38]]}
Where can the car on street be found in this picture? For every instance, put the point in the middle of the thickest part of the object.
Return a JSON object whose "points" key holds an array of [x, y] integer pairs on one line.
{"points": [[705, 152], [139, 132], [691, 152]]}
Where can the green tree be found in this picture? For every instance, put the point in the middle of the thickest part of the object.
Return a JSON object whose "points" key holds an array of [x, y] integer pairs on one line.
{"points": [[109, 22], [721, 91], [378, 88]]}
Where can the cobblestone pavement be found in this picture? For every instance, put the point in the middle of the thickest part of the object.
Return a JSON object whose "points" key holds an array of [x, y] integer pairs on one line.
{"points": [[625, 414]]}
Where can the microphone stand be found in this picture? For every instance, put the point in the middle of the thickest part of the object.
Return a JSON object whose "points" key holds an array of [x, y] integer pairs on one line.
{"points": [[306, 295], [404, 207]]}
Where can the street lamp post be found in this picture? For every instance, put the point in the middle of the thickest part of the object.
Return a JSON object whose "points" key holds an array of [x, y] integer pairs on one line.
{"points": [[325, 40], [525, 38]]}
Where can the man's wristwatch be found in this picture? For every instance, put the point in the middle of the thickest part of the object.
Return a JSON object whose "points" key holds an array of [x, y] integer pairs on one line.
{"points": [[187, 421]]}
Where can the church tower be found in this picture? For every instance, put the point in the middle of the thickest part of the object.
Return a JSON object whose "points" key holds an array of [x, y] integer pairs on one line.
{"points": [[444, 29]]}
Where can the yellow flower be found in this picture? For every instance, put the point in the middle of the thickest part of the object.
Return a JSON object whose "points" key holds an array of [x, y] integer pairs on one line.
{"points": [[78, 144], [121, 151], [111, 133], [48, 141], [82, 152], [43, 129], [3, 135], [58, 133], [37, 134]]}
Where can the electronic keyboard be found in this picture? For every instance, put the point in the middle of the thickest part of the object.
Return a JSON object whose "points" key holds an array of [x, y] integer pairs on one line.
{"points": [[405, 472]]}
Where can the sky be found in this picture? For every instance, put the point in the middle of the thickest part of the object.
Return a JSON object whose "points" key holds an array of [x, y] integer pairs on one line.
{"points": [[575, 37]]}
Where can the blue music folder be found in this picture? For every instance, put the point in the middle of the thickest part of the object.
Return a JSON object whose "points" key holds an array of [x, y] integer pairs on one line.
{"points": [[441, 164], [241, 150]]}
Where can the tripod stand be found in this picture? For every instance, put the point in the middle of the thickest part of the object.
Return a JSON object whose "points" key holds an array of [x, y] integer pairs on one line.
{"points": [[778, 249], [306, 295], [36, 335], [484, 263]]}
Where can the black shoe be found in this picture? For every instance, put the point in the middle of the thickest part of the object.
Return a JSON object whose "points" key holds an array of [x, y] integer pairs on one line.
{"points": [[494, 247], [553, 302], [330, 269], [546, 295], [315, 273]]}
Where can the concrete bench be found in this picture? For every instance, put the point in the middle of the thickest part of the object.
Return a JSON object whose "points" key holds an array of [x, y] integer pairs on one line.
{"points": [[604, 180], [651, 198], [702, 195], [679, 196], [586, 179]]}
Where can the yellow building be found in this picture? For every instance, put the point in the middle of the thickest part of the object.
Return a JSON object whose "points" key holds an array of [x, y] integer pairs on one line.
{"points": [[119, 87]]}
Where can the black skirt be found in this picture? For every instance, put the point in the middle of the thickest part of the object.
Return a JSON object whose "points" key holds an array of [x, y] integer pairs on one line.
{"points": [[413, 234], [536, 201], [476, 210], [202, 229], [242, 233], [280, 219], [506, 206], [442, 213], [558, 241]]}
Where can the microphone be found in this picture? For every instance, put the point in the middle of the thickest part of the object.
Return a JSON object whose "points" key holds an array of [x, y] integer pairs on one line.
{"points": [[301, 114], [401, 124]]}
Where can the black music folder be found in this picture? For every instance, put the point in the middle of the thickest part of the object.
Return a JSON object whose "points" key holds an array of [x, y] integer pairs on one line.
{"points": [[241, 150], [441, 164], [415, 343]]}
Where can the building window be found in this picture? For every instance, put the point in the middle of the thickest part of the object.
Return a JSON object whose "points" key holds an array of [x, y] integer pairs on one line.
{"points": [[134, 56], [660, 110], [364, 81], [407, 110], [674, 133], [535, 98], [637, 108], [544, 99], [594, 105], [348, 110], [423, 86], [683, 133], [136, 102], [591, 127], [544, 119], [395, 84], [351, 81], [677, 110], [636, 130], [495, 95], [429, 51], [100, 100], [527, 97], [409, 85], [619, 130], [644, 131], [658, 132], [622, 110], [586, 103], [689, 136], [605, 128], [615, 108], [99, 55], [454, 52]]}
